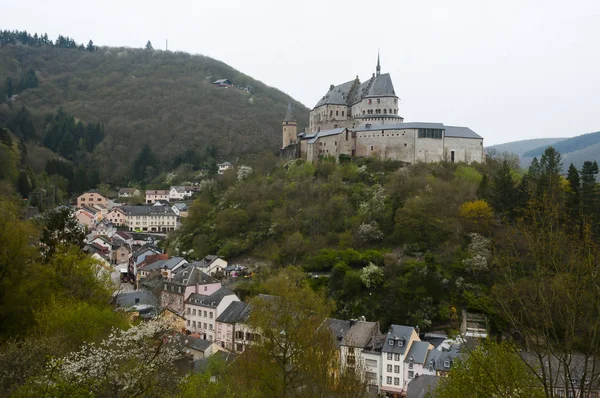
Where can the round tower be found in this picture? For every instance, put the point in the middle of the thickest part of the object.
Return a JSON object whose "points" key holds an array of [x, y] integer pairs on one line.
{"points": [[289, 127]]}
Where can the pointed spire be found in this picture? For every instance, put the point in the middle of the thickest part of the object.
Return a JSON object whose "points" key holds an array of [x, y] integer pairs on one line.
{"points": [[289, 114], [378, 65]]}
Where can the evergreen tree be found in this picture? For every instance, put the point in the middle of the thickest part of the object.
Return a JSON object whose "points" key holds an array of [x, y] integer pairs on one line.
{"points": [[8, 87], [28, 80], [549, 172], [503, 192], [483, 190], [90, 47], [144, 160], [24, 184], [534, 169], [589, 191], [22, 122], [149, 46], [573, 200]]}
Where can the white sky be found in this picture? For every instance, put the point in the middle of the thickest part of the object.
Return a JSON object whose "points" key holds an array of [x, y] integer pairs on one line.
{"points": [[509, 69]]}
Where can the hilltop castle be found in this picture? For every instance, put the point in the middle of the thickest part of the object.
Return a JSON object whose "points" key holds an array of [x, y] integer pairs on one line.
{"points": [[362, 119]]}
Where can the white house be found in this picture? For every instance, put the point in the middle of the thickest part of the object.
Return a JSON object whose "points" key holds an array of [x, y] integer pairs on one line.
{"points": [[416, 359], [224, 167], [211, 264], [393, 353], [201, 311], [128, 192], [152, 195], [178, 192]]}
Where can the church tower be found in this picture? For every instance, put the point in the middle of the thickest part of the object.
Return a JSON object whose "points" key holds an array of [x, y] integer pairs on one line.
{"points": [[289, 127]]}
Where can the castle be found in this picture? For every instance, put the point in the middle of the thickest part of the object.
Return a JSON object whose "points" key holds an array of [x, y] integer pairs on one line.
{"points": [[362, 119]]}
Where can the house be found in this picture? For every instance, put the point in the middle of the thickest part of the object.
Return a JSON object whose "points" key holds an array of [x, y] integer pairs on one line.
{"points": [[150, 218], [236, 313], [223, 82], [129, 192], [87, 217], [473, 325], [439, 361], [121, 251], [175, 290], [211, 264], [167, 267], [179, 192], [174, 320], [103, 241], [91, 198], [359, 343], [422, 386], [161, 202], [181, 209], [224, 167], [396, 345], [105, 227], [201, 311], [125, 236], [152, 195], [116, 216], [199, 348], [416, 360]]}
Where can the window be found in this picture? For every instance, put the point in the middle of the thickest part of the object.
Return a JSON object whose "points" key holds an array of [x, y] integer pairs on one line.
{"points": [[188, 310], [205, 289], [391, 342], [411, 363], [395, 100], [396, 381], [188, 322], [372, 149], [389, 368], [431, 364], [389, 356], [337, 113], [194, 312], [205, 314], [330, 113], [452, 156], [396, 357], [411, 374], [400, 343], [210, 327], [342, 113], [396, 368], [446, 363], [378, 100], [239, 347], [205, 326], [371, 362], [388, 380], [194, 324], [239, 335], [211, 315]]}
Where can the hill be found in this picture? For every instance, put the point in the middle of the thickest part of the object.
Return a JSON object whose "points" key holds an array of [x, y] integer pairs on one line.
{"points": [[521, 147], [575, 150], [141, 96]]}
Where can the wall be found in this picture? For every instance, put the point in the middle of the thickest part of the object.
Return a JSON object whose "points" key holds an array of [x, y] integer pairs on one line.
{"points": [[387, 144], [91, 198], [465, 149], [290, 130], [429, 149]]}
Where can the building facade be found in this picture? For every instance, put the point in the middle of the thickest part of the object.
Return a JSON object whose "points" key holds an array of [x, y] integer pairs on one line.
{"points": [[357, 119], [149, 218], [91, 198], [152, 195]]}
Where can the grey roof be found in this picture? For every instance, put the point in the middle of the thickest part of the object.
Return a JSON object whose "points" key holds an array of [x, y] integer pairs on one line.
{"points": [[212, 300], [396, 334], [232, 313], [337, 95], [461, 132], [147, 210], [178, 188], [418, 351], [338, 328], [155, 265], [400, 126], [127, 299], [422, 386], [157, 192], [360, 333], [164, 264], [206, 261], [202, 365], [181, 206], [222, 81], [127, 190], [143, 250], [325, 133], [382, 87], [440, 357], [289, 114], [197, 343], [190, 275]]}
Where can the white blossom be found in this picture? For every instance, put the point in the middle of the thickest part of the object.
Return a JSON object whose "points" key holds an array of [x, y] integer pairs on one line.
{"points": [[371, 275], [369, 232], [243, 172], [479, 253]]}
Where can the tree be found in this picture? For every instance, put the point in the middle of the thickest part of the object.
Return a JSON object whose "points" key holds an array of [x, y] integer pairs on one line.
{"points": [[28, 80], [8, 87], [589, 191], [23, 123], [90, 47], [149, 46], [295, 352], [491, 370], [371, 275], [145, 159], [550, 168], [60, 228], [503, 192], [24, 184], [478, 214]]}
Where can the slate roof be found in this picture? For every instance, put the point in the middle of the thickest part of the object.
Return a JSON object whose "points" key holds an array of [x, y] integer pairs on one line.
{"points": [[197, 343], [337, 95], [157, 192], [326, 133], [181, 206], [440, 357], [422, 386], [461, 132], [147, 210], [338, 328], [127, 190], [232, 313], [418, 351], [289, 114], [360, 333], [201, 365], [382, 87], [178, 188], [206, 261], [397, 333], [212, 300], [189, 275]]}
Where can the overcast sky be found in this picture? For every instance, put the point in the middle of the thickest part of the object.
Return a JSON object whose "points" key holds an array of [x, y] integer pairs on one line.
{"points": [[510, 69]]}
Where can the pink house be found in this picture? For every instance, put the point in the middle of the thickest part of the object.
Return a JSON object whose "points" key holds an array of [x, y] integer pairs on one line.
{"points": [[186, 281], [152, 195], [116, 216], [229, 323]]}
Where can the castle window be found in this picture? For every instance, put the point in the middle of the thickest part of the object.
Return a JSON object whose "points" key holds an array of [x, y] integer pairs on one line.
{"points": [[330, 113], [363, 111], [390, 111], [395, 100], [337, 113], [346, 135], [342, 113], [385, 111], [371, 147], [378, 100]]}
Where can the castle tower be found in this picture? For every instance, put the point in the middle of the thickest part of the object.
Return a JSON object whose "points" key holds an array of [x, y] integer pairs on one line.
{"points": [[378, 65], [289, 127]]}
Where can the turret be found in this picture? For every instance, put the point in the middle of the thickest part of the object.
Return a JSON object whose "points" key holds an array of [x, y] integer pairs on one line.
{"points": [[289, 127], [378, 69]]}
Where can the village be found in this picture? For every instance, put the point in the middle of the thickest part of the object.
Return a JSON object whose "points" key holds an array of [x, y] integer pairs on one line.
{"points": [[197, 299]]}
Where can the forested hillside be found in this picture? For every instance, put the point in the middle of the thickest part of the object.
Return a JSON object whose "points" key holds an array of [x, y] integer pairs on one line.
{"points": [[574, 150], [138, 96]]}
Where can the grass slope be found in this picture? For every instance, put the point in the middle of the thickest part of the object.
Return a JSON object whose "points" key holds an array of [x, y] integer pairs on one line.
{"points": [[161, 98]]}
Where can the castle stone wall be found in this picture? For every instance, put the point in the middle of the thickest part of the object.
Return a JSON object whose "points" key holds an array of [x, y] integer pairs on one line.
{"points": [[467, 150]]}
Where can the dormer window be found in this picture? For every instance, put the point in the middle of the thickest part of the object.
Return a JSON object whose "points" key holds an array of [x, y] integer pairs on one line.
{"points": [[431, 364], [411, 362], [400, 343], [391, 342], [446, 363]]}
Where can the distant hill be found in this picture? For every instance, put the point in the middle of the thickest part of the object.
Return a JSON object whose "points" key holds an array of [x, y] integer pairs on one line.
{"points": [[569, 145], [163, 99], [521, 147]]}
